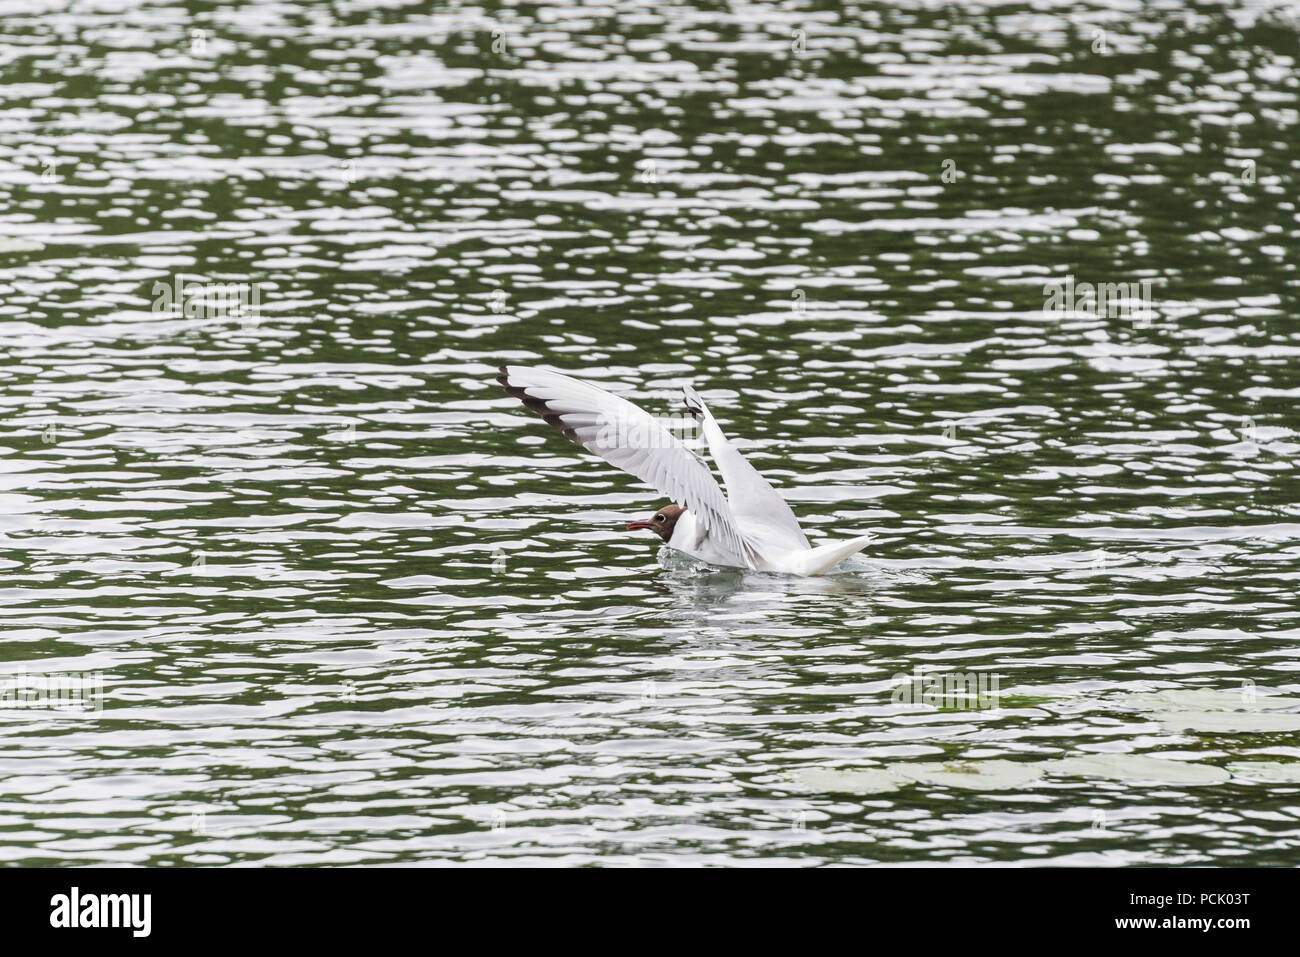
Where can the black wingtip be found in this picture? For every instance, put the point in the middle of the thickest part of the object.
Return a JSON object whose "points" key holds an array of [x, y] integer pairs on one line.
{"points": [[537, 405], [696, 412]]}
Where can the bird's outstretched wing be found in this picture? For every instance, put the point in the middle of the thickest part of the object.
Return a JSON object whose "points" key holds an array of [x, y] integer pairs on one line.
{"points": [[760, 512], [631, 439]]}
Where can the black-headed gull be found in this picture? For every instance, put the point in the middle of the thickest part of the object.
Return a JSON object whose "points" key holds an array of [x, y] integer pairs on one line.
{"points": [[750, 527]]}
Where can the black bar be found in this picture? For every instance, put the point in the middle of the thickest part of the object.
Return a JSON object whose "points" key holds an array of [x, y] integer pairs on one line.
{"points": [[330, 906]]}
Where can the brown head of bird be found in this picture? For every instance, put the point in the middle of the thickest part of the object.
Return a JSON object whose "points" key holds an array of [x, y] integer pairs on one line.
{"points": [[662, 522]]}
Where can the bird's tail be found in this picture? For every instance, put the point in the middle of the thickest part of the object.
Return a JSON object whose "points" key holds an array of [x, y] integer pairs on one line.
{"points": [[820, 560]]}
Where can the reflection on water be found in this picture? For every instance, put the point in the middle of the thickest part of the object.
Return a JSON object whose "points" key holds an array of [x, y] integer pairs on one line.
{"points": [[349, 604]]}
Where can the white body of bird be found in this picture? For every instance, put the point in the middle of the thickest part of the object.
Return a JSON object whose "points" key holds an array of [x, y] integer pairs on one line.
{"points": [[690, 538]]}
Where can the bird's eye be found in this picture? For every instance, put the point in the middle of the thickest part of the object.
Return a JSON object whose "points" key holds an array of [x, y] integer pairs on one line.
{"points": [[659, 518]]}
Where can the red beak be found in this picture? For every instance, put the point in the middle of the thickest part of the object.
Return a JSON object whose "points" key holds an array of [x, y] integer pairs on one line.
{"points": [[633, 526]]}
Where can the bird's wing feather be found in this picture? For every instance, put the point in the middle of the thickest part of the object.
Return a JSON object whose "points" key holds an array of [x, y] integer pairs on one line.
{"points": [[761, 513], [631, 439]]}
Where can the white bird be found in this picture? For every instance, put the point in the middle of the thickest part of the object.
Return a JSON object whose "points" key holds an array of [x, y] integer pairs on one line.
{"points": [[750, 527]]}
